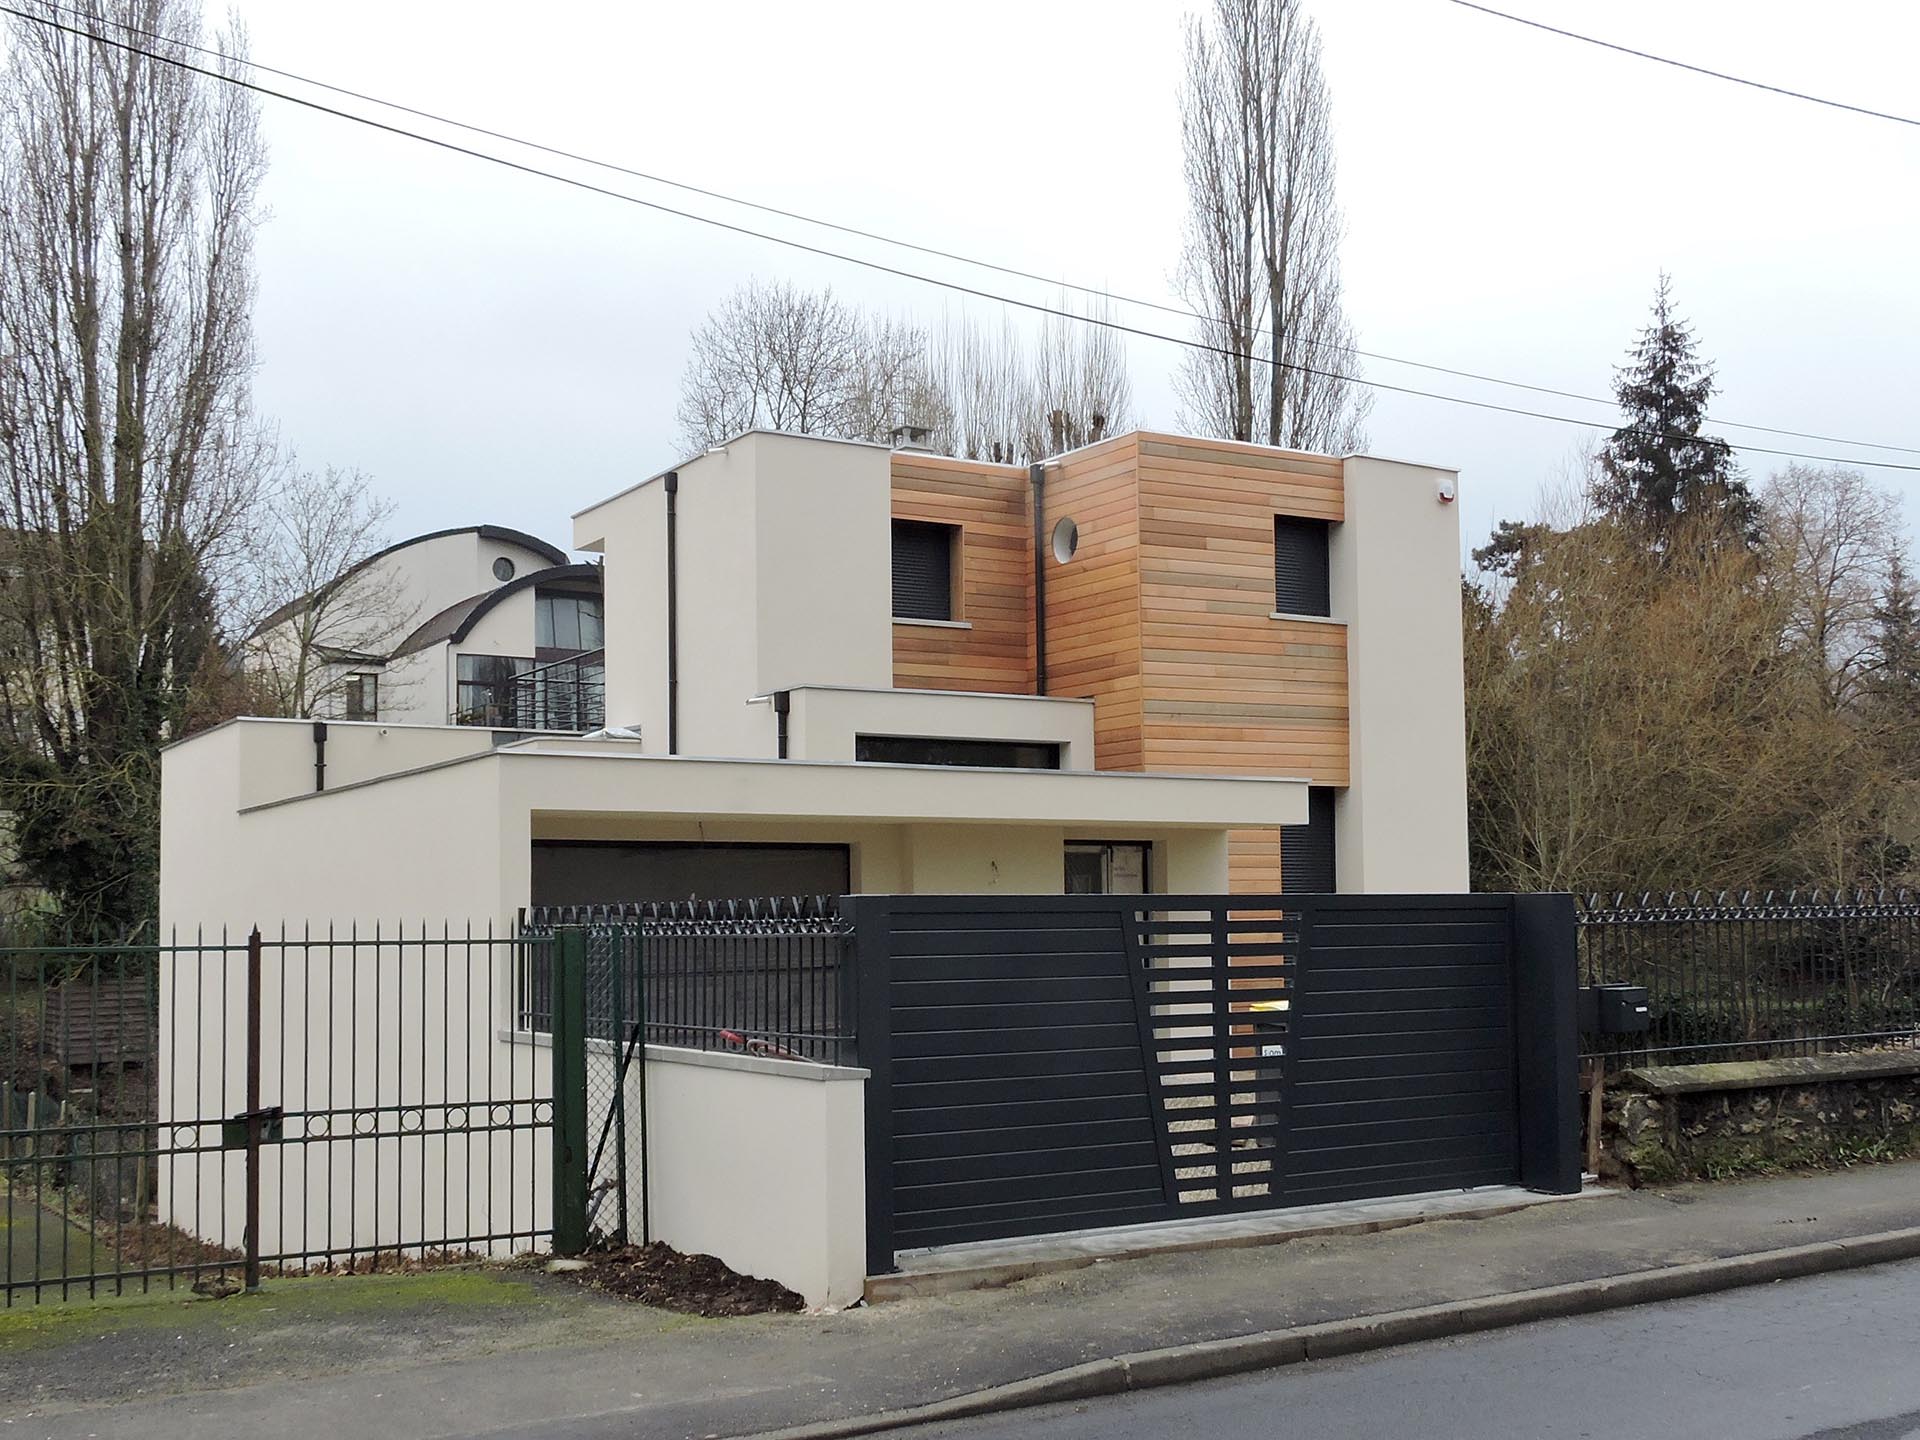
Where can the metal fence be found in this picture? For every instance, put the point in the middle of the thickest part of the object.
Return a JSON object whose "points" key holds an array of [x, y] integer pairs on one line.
{"points": [[1747, 975], [764, 976], [223, 1107]]}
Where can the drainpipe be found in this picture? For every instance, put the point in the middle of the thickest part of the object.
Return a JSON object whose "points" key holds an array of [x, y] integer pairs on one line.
{"points": [[782, 703], [673, 612], [1037, 476], [319, 755]]}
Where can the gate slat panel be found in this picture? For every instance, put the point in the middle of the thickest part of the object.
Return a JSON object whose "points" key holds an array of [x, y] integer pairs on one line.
{"points": [[1083, 1061]]}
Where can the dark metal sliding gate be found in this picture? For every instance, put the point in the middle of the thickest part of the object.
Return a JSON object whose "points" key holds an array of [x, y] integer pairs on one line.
{"points": [[1053, 1063]]}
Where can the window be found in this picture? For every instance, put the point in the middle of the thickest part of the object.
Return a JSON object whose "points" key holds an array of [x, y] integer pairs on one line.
{"points": [[567, 622], [503, 568], [1098, 867], [1300, 579], [488, 691], [361, 698], [1306, 851], [924, 750], [923, 570]]}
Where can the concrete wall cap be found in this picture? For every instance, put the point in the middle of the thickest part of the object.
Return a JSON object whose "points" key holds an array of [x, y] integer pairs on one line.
{"points": [[1763, 1074]]}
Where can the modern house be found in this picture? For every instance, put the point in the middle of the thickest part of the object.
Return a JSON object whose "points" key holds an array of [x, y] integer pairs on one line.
{"points": [[1155, 663], [482, 626]]}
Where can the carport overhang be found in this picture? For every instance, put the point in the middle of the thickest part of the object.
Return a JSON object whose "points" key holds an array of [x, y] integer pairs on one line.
{"points": [[559, 779]]}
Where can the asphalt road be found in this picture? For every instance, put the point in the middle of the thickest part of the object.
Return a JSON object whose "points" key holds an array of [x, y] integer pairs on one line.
{"points": [[1835, 1357]]}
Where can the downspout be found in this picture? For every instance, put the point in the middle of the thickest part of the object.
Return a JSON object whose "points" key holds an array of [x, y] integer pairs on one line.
{"points": [[673, 612], [782, 703], [319, 756], [1037, 476]]}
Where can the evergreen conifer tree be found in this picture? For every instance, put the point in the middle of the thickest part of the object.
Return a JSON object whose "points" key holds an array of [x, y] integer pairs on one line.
{"points": [[1658, 467]]}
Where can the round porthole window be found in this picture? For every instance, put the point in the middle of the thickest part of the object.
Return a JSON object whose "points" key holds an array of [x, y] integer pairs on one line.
{"points": [[503, 569], [1066, 540]]}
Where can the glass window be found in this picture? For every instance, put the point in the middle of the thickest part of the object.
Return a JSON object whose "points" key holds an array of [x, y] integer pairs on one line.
{"points": [[567, 622], [1306, 851], [925, 750], [923, 570], [361, 698], [488, 692], [1102, 867], [1300, 569]]}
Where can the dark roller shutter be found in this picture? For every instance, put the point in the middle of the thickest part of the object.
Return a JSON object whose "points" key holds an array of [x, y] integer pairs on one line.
{"points": [[1300, 584], [922, 570], [1306, 851]]}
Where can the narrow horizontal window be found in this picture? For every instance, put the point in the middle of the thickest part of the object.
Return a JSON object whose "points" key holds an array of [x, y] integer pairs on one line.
{"points": [[924, 750]]}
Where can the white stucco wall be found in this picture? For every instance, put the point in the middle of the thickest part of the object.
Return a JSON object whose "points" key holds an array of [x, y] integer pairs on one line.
{"points": [[335, 874], [761, 1163], [824, 723], [785, 578], [1401, 825]]}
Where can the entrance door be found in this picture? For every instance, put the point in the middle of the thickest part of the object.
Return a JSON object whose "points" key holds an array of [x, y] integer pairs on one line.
{"points": [[1101, 867]]}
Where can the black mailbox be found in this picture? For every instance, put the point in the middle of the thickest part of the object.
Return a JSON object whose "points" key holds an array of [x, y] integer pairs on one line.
{"points": [[1612, 1009], [1623, 1010]]}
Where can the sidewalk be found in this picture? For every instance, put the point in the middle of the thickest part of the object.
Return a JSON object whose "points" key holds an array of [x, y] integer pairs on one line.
{"points": [[508, 1352]]}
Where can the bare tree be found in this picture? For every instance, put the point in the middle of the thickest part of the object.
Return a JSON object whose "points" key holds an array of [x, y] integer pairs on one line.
{"points": [[994, 395], [128, 449], [887, 385], [321, 612], [775, 357], [1262, 257], [1835, 543]]}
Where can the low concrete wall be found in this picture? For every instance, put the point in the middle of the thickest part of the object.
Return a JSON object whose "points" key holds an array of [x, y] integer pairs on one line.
{"points": [[1714, 1122], [761, 1163]]}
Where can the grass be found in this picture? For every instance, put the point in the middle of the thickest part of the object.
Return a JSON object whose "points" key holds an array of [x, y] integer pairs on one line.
{"points": [[330, 1298]]}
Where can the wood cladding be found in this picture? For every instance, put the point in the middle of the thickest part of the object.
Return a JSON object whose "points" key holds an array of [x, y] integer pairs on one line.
{"points": [[1229, 689], [1093, 610], [1164, 616], [993, 577]]}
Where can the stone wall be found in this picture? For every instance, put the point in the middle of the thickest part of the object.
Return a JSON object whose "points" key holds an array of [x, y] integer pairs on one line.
{"points": [[1714, 1122]]}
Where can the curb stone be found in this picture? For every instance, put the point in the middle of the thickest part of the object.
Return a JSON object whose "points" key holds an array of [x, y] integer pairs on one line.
{"points": [[1271, 1349]]}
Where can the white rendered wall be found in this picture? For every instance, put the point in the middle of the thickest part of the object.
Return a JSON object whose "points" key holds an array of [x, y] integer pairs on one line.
{"points": [[416, 852], [824, 723], [1401, 824], [761, 1163], [785, 578]]}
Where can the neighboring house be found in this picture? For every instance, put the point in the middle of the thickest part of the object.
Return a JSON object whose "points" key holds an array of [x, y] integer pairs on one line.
{"points": [[1153, 664], [480, 626]]}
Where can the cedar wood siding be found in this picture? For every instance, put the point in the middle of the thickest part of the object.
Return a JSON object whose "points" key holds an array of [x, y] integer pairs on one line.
{"points": [[1093, 601], [1229, 689], [993, 576], [1163, 617]]}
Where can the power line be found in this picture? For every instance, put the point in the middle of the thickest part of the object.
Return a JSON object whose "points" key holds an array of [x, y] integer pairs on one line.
{"points": [[1683, 65], [853, 230], [883, 268]]}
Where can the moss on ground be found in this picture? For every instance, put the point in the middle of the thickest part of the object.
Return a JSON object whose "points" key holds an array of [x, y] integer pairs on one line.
{"points": [[317, 1298]]}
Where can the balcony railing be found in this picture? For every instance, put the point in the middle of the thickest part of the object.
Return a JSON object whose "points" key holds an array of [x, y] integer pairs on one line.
{"points": [[565, 695]]}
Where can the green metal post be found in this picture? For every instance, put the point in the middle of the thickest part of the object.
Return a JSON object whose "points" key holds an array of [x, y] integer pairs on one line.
{"points": [[570, 1092]]}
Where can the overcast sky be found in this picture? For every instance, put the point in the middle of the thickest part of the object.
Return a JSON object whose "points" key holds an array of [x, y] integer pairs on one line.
{"points": [[493, 347]]}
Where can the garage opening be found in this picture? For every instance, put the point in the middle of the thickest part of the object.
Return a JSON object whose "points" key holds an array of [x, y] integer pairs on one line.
{"points": [[611, 872]]}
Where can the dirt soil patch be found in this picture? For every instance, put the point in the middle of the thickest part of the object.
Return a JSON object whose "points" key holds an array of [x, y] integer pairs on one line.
{"points": [[660, 1276]]}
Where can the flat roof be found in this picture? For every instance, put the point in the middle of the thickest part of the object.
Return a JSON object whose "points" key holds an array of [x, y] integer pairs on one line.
{"points": [[585, 777]]}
